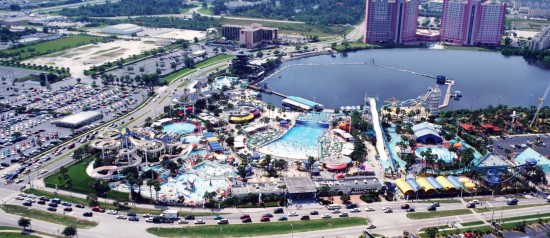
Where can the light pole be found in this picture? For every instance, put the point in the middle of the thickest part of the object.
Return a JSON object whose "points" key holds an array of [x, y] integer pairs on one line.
{"points": [[292, 225]]}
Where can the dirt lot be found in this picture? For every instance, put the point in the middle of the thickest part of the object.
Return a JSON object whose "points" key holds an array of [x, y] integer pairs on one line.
{"points": [[81, 58]]}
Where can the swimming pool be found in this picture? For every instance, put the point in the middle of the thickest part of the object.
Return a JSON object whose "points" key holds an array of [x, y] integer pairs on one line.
{"points": [[191, 140], [210, 169], [173, 188], [219, 82], [441, 153], [179, 127], [298, 143]]}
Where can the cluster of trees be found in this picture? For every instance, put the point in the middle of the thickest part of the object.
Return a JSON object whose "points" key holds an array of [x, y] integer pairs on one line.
{"points": [[529, 55], [7, 35], [126, 8], [196, 22], [251, 198], [321, 12]]}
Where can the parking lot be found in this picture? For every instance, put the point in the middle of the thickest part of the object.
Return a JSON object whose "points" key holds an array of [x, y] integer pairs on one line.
{"points": [[162, 62], [519, 143], [11, 73], [24, 133]]}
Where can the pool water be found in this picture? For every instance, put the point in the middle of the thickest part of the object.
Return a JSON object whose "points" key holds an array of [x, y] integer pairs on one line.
{"points": [[219, 82], [191, 140], [441, 153], [298, 143], [210, 169], [174, 188], [179, 127]]}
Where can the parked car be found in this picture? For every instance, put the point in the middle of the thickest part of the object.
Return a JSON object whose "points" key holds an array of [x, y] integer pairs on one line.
{"points": [[344, 214], [189, 217], [112, 212], [246, 220], [53, 209], [200, 222], [512, 201], [314, 213], [98, 209], [370, 209], [27, 203], [87, 214], [180, 221], [42, 202], [283, 218], [267, 215], [264, 219], [218, 217], [432, 208], [292, 214], [471, 205], [405, 206], [278, 210], [68, 209], [244, 216], [133, 219], [305, 217], [121, 217], [410, 210], [326, 216], [351, 205], [79, 205]]}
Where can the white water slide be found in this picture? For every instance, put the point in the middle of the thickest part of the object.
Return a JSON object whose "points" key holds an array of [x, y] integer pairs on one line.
{"points": [[378, 130]]}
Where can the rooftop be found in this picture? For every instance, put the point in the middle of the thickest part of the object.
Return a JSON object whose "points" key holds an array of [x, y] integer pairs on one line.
{"points": [[532, 154], [300, 185], [79, 117], [304, 101]]}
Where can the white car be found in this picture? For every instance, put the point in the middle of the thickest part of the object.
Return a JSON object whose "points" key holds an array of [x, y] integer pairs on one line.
{"points": [[475, 201], [292, 214], [150, 219], [183, 221], [112, 212], [336, 211], [326, 216], [355, 210], [200, 222], [43, 171], [19, 198], [121, 217], [147, 215]]}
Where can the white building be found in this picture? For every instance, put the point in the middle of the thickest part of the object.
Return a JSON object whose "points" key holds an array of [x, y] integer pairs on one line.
{"points": [[541, 41], [122, 29], [79, 119]]}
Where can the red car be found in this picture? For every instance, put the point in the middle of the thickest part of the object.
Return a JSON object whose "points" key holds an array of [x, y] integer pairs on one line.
{"points": [[245, 216], [98, 209], [247, 220], [264, 219]]}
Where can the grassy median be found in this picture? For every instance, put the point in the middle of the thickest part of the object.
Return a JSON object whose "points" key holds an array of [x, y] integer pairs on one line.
{"points": [[490, 209], [257, 229], [446, 213], [16, 235], [48, 216], [185, 71]]}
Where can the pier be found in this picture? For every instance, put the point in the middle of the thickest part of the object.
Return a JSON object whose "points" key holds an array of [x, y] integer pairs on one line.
{"points": [[260, 89], [448, 94]]}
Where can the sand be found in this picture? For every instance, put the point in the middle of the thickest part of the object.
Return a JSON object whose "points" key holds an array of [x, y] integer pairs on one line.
{"points": [[84, 57]]}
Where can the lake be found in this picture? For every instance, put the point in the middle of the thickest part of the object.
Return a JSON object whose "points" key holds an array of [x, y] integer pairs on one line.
{"points": [[484, 78]]}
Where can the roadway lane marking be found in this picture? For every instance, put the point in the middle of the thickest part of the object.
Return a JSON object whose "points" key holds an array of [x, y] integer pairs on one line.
{"points": [[459, 219], [490, 204]]}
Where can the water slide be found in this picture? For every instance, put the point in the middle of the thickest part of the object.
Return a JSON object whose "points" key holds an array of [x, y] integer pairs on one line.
{"points": [[378, 130], [94, 173]]}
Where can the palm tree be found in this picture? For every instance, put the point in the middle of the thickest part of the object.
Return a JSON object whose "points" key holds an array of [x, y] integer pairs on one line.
{"points": [[150, 183]]}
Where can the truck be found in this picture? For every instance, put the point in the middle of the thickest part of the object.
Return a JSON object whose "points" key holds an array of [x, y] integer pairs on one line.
{"points": [[170, 214]]}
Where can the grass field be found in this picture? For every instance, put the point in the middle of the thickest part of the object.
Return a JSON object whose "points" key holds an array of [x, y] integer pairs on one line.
{"points": [[472, 48], [48, 216], [534, 216], [80, 180], [182, 72], [206, 11], [355, 46], [446, 213], [16, 235], [472, 223], [438, 200], [490, 209], [257, 229], [294, 28], [54, 45]]}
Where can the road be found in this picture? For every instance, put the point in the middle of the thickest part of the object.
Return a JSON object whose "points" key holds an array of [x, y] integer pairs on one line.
{"points": [[385, 222], [357, 32]]}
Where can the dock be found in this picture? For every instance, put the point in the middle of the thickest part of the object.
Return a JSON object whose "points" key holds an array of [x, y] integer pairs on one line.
{"points": [[260, 89], [448, 94]]}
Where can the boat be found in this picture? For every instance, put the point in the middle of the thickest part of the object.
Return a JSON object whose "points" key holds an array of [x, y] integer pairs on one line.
{"points": [[333, 56]]}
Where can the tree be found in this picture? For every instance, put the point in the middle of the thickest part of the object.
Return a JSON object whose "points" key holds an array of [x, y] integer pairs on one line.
{"points": [[345, 198], [196, 40], [24, 222], [230, 140], [260, 54], [150, 183], [69, 231], [157, 188], [78, 80], [432, 232], [189, 62]]}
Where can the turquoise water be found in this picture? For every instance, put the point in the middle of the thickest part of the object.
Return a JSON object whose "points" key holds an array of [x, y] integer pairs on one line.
{"points": [[210, 169], [298, 142], [179, 127], [191, 140], [197, 152], [441, 153], [219, 82], [395, 138], [180, 187]]}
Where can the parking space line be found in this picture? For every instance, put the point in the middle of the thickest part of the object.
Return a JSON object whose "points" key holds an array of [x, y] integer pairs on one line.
{"points": [[459, 219], [489, 204]]}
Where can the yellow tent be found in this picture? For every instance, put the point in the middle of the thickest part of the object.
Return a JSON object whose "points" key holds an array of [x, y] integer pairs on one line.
{"points": [[212, 139]]}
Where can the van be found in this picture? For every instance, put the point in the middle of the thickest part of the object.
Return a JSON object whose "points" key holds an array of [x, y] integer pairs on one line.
{"points": [[333, 207]]}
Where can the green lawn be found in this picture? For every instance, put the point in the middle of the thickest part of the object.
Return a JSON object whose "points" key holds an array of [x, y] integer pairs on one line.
{"points": [[472, 223], [206, 11], [257, 229], [182, 72], [16, 235], [473, 48], [48, 216], [54, 45], [80, 179], [7, 228], [490, 209], [446, 213], [438, 200], [541, 215], [355, 46], [293, 28]]}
